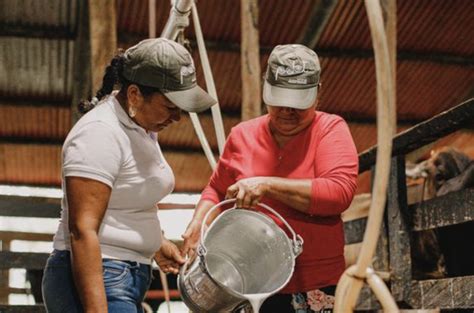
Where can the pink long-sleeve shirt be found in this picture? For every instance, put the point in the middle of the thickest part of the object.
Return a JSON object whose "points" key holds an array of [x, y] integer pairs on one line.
{"points": [[325, 153]]}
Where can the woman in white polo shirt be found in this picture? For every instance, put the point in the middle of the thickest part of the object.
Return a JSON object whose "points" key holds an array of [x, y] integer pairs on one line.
{"points": [[114, 173]]}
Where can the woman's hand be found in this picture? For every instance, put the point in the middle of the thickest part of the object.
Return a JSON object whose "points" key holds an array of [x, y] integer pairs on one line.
{"points": [[191, 238], [192, 235], [169, 258], [248, 191]]}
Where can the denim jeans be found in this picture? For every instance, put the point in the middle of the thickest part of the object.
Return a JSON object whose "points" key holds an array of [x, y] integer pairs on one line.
{"points": [[125, 283]]}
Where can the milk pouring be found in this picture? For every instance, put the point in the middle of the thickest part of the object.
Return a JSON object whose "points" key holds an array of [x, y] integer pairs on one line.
{"points": [[243, 258]]}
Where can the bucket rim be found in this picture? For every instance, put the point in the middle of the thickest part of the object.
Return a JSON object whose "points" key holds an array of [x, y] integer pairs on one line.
{"points": [[277, 229]]}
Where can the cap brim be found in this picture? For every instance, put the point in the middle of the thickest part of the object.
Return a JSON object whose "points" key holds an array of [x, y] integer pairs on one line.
{"points": [[191, 100], [301, 99]]}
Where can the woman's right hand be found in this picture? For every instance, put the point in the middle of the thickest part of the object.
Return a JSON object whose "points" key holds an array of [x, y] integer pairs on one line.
{"points": [[192, 235], [191, 238], [168, 257]]}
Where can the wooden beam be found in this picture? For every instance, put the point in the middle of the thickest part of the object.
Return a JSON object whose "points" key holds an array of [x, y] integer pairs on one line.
{"points": [[22, 308], [354, 230], [250, 60], [29, 207], [398, 232], [12, 235], [448, 293], [26, 260], [126, 39], [338, 53], [5, 273], [81, 71], [322, 11], [35, 102], [103, 37], [450, 209], [31, 141], [443, 124], [9, 290], [367, 300], [45, 32]]}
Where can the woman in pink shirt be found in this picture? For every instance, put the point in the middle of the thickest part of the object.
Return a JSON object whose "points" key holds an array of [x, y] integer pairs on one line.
{"points": [[299, 161]]}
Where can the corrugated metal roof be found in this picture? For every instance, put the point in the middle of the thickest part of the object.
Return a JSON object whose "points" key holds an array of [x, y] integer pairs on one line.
{"points": [[442, 26], [435, 71], [42, 122], [30, 164], [34, 68], [49, 14], [182, 135]]}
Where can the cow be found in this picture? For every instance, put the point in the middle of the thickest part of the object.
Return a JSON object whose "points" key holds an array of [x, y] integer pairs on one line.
{"points": [[441, 252]]}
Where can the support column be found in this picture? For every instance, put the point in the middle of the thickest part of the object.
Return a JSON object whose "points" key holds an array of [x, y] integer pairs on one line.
{"points": [[4, 274], [250, 60], [399, 232], [103, 38]]}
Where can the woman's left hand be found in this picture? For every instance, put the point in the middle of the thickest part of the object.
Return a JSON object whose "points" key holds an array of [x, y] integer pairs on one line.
{"points": [[248, 191], [169, 258]]}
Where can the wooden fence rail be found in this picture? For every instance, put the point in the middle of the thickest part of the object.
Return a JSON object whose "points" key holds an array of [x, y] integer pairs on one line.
{"points": [[443, 124]]}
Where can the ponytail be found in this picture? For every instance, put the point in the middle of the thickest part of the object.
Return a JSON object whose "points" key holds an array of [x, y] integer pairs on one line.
{"points": [[112, 76]]}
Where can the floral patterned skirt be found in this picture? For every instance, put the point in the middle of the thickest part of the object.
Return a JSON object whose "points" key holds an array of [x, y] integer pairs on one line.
{"points": [[319, 300]]}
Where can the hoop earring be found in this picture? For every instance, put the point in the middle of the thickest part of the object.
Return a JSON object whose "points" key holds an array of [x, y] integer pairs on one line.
{"points": [[132, 112]]}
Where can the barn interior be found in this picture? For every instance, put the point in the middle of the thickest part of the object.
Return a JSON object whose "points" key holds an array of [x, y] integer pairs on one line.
{"points": [[53, 54]]}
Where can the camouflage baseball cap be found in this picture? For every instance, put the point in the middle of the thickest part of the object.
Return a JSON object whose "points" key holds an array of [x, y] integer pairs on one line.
{"points": [[292, 77], [166, 65]]}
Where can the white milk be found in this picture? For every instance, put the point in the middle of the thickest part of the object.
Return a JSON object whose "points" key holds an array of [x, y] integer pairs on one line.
{"points": [[256, 300]]}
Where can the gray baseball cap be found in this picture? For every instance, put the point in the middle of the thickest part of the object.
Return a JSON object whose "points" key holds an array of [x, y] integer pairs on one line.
{"points": [[166, 65], [292, 77]]}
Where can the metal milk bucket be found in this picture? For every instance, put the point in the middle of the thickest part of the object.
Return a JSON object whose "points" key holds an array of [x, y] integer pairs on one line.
{"points": [[242, 252]]}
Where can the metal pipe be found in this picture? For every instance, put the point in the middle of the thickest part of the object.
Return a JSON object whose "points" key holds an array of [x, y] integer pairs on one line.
{"points": [[178, 19], [177, 22]]}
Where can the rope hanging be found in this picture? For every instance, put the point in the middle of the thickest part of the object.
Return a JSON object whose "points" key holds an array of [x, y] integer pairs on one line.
{"points": [[177, 22], [352, 280]]}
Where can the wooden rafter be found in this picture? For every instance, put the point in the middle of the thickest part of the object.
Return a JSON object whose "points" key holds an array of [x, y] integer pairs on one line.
{"points": [[322, 11]]}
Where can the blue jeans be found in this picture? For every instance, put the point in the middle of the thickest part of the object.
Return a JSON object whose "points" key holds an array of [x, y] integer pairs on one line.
{"points": [[125, 283]]}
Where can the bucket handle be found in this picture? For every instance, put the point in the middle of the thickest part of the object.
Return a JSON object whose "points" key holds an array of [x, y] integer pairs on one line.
{"points": [[297, 240]]}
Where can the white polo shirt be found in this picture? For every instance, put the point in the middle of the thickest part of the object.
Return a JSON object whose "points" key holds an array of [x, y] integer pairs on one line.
{"points": [[107, 146]]}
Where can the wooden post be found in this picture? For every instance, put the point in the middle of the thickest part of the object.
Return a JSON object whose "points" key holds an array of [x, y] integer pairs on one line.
{"points": [[95, 45], [381, 258], [250, 60], [4, 274], [103, 37], [399, 231], [389, 8], [322, 12], [82, 61]]}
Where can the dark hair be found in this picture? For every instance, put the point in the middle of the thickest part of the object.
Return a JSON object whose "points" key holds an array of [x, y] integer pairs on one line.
{"points": [[113, 76]]}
